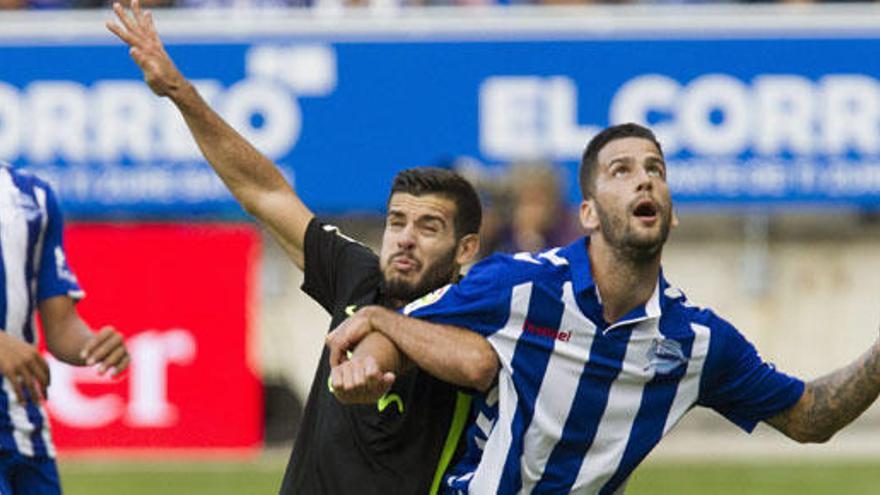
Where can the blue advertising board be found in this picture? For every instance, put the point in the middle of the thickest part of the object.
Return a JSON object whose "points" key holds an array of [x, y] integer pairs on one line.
{"points": [[746, 121]]}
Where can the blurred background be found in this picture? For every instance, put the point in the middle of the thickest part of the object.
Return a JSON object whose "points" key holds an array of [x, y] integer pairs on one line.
{"points": [[769, 114]]}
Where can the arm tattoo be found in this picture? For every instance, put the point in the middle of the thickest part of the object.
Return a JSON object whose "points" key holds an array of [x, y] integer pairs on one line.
{"points": [[833, 401]]}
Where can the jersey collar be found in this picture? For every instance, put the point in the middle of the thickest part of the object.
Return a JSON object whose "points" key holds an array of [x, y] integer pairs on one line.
{"points": [[582, 281]]}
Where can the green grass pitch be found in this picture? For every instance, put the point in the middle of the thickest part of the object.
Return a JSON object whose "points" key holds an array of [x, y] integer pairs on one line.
{"points": [[813, 477]]}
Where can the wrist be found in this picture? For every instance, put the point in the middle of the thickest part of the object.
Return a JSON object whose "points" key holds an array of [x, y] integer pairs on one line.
{"points": [[183, 93]]}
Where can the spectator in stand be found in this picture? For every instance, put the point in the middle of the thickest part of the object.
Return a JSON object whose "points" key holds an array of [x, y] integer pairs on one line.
{"points": [[538, 217]]}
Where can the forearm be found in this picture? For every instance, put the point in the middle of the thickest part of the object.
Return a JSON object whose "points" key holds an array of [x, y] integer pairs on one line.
{"points": [[833, 401], [383, 351], [453, 354], [67, 339], [244, 170], [254, 180]]}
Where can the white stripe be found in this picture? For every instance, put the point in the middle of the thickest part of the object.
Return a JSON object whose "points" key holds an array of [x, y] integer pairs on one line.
{"points": [[47, 435], [488, 474], [624, 400], [13, 236], [492, 396], [689, 387], [484, 424], [557, 392], [553, 257], [22, 428]]}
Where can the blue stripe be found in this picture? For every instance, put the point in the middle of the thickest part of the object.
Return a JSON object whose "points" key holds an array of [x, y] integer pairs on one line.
{"points": [[590, 402], [530, 360], [35, 416], [656, 403], [7, 441]]}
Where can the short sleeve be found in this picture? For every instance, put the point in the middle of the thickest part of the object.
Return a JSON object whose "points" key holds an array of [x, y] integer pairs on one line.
{"points": [[479, 302], [333, 262], [740, 385], [55, 277]]}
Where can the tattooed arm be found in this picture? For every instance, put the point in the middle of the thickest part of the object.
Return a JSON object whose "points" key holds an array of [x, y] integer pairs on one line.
{"points": [[833, 401]]}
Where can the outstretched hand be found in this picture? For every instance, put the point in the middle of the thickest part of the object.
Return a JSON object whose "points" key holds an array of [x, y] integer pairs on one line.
{"points": [[138, 31]]}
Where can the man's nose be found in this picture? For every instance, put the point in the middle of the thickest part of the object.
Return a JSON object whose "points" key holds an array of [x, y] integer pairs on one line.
{"points": [[644, 180], [407, 238]]}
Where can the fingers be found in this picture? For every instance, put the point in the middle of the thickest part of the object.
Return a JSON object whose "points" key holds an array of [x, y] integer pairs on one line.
{"points": [[39, 372], [107, 350], [138, 14], [113, 361], [123, 34], [337, 351], [124, 18], [360, 381]]}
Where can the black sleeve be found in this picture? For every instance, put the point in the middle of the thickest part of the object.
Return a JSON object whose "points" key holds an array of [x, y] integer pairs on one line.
{"points": [[334, 264]]}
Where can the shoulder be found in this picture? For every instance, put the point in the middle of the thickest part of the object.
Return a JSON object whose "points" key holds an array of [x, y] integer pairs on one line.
{"points": [[515, 269], [677, 305], [25, 180]]}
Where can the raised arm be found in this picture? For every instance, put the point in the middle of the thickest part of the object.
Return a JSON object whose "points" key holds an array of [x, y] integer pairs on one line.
{"points": [[455, 355], [833, 401], [252, 178]]}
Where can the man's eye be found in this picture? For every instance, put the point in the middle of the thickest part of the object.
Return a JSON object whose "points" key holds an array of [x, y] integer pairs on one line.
{"points": [[619, 172]]}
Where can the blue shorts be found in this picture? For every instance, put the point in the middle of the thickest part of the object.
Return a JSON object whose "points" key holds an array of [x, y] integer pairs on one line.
{"points": [[22, 475]]}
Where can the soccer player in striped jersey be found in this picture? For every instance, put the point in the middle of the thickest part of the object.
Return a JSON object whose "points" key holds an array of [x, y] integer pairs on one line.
{"points": [[34, 274], [600, 356]]}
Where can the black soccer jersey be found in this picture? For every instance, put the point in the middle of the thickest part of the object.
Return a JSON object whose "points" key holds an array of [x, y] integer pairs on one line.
{"points": [[400, 445]]}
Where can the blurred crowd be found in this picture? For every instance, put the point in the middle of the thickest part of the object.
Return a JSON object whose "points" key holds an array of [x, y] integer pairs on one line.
{"points": [[524, 206], [96, 4]]}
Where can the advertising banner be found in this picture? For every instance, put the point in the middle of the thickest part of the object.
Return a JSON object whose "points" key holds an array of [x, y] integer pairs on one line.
{"points": [[784, 118], [184, 297]]}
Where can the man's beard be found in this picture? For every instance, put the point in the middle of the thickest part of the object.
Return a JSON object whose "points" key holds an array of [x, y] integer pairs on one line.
{"points": [[440, 273], [619, 234]]}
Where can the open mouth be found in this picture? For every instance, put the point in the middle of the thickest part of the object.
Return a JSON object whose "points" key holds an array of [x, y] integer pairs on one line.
{"points": [[645, 209]]}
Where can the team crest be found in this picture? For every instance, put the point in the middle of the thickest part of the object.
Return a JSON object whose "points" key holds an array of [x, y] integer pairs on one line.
{"points": [[426, 300], [665, 355]]}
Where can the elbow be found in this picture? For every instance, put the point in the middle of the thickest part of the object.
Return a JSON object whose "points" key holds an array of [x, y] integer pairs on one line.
{"points": [[811, 436], [482, 371]]}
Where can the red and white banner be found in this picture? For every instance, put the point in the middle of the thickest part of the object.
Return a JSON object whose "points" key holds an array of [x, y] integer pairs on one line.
{"points": [[184, 297]]}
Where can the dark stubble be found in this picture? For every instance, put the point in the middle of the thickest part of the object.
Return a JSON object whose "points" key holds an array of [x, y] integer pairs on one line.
{"points": [[437, 274], [620, 235]]}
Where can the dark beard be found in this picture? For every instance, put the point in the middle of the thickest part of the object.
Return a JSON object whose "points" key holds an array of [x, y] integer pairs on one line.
{"points": [[438, 274], [619, 235]]}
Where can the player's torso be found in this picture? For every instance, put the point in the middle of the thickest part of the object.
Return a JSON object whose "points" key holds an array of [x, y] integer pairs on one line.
{"points": [[392, 446], [584, 402]]}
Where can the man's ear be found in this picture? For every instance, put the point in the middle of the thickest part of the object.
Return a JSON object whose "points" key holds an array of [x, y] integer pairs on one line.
{"points": [[467, 249], [589, 216], [674, 219]]}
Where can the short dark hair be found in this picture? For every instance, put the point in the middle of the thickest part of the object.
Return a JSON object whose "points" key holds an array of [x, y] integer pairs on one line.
{"points": [[448, 184], [590, 159]]}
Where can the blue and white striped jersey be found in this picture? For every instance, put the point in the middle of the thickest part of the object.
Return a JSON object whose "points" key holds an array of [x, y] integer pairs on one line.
{"points": [[579, 403], [33, 269]]}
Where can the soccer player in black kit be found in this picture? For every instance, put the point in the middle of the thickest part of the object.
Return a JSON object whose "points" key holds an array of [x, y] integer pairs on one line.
{"points": [[403, 442]]}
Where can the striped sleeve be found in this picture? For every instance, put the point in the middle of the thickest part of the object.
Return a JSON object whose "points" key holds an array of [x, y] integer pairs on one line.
{"points": [[55, 277], [480, 302], [740, 385]]}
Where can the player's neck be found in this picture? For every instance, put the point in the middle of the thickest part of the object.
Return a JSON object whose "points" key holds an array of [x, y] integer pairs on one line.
{"points": [[624, 283]]}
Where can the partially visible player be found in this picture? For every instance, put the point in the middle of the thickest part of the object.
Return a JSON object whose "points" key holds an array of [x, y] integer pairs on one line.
{"points": [[402, 441], [34, 274]]}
